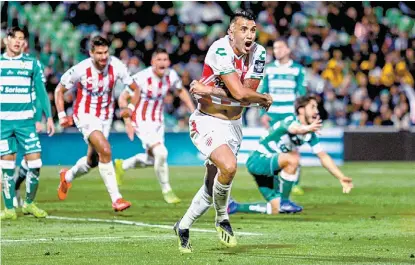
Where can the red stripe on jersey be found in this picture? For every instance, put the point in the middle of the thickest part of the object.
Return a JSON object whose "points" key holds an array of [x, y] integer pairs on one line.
{"points": [[100, 89], [149, 95], [111, 82], [162, 102], [89, 88], [78, 99], [206, 74], [238, 64], [153, 113]]}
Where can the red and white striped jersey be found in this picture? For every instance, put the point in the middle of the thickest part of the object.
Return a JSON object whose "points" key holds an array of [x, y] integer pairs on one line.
{"points": [[221, 60], [94, 93], [153, 90]]}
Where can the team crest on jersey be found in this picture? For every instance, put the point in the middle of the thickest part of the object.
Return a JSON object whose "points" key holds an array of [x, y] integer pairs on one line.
{"points": [[259, 66]]}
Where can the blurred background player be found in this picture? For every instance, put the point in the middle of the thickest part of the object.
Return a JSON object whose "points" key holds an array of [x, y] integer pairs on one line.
{"points": [[148, 119], [21, 78], [278, 154], [94, 79], [284, 80], [233, 67]]}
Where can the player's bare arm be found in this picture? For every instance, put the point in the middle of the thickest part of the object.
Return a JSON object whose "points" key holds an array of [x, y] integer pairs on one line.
{"points": [[303, 129], [64, 120], [328, 163], [187, 100]]}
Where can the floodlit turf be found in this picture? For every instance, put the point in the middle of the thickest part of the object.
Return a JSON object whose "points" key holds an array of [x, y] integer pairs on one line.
{"points": [[375, 224]]}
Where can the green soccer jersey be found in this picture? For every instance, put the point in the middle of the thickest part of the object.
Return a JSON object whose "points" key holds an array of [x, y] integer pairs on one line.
{"points": [[284, 83], [22, 88], [279, 140]]}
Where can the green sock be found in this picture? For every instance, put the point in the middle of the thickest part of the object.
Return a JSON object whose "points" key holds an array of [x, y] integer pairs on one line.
{"points": [[285, 188], [21, 176], [298, 179], [254, 208], [32, 184], [9, 191]]}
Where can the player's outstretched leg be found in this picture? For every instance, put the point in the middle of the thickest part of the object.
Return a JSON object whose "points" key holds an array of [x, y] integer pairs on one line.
{"points": [[136, 161], [67, 176], [107, 171], [225, 161], [161, 169], [8, 189], [34, 163], [200, 204]]}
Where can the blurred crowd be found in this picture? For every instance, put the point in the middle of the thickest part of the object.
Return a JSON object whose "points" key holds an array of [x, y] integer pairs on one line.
{"points": [[359, 55]]}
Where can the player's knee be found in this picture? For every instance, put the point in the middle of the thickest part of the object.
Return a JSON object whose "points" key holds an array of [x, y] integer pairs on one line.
{"points": [[275, 206], [37, 163], [229, 169], [294, 160], [160, 152], [105, 153]]}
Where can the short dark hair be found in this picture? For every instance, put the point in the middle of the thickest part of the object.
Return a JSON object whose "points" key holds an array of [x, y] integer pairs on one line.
{"points": [[282, 39], [301, 102], [11, 32], [158, 51], [98, 41], [247, 14]]}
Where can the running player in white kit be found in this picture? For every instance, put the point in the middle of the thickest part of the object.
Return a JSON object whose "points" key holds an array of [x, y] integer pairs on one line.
{"points": [[234, 67], [94, 78], [147, 119]]}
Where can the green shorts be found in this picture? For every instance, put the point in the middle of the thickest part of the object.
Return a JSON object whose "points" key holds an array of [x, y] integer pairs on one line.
{"points": [[19, 134], [264, 168]]}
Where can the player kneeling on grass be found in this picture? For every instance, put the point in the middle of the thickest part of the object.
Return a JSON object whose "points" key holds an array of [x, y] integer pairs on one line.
{"points": [[278, 154], [147, 119]]}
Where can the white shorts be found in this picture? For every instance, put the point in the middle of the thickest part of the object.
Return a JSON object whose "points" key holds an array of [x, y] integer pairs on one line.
{"points": [[208, 133], [150, 133], [87, 123]]}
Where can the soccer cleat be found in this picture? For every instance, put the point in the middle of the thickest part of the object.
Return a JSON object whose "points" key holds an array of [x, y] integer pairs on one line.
{"points": [[297, 190], [289, 207], [170, 197], [8, 214], [64, 186], [121, 205], [225, 234], [31, 208], [232, 207], [119, 171], [183, 236]]}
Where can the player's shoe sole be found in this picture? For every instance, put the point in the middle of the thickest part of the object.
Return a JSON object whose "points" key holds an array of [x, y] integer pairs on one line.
{"points": [[64, 186], [119, 171], [121, 205], [225, 234], [183, 238]]}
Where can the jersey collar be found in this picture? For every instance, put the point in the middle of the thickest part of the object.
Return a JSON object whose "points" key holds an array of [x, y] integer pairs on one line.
{"points": [[12, 58], [288, 64]]}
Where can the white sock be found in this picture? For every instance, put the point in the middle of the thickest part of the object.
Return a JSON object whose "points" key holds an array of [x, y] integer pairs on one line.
{"points": [[24, 165], [137, 161], [289, 177], [200, 204], [161, 168], [79, 169], [220, 199], [108, 175]]}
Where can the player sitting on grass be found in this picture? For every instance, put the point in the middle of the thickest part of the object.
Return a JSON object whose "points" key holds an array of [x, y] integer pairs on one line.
{"points": [[278, 154]]}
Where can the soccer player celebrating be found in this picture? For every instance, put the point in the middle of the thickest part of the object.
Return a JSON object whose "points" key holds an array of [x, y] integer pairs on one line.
{"points": [[21, 81], [285, 81], [147, 119], [277, 154], [232, 71], [94, 78]]}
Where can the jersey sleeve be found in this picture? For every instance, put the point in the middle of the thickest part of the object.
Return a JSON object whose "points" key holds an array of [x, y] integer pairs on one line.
{"points": [[123, 73], [42, 100], [257, 63], [315, 144], [176, 81], [283, 125], [301, 88], [70, 77], [219, 60]]}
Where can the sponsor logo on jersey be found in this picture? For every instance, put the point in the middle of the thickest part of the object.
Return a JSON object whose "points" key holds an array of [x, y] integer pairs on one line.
{"points": [[22, 90], [10, 72], [23, 72], [96, 93], [259, 66]]}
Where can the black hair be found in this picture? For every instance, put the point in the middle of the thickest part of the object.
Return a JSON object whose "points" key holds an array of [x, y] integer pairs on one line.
{"points": [[301, 102], [98, 41], [247, 14], [11, 32], [158, 51], [281, 39]]}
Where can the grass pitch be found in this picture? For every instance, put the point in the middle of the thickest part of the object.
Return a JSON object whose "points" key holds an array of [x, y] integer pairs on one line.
{"points": [[375, 224]]}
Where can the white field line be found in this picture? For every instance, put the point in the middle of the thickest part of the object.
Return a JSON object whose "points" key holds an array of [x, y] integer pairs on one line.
{"points": [[84, 239], [125, 222]]}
